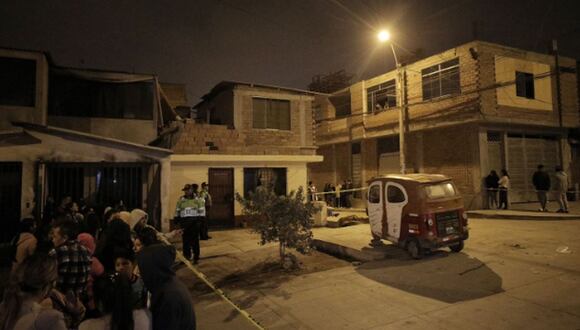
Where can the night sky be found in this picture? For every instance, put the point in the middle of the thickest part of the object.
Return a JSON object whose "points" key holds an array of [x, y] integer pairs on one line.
{"points": [[277, 42]]}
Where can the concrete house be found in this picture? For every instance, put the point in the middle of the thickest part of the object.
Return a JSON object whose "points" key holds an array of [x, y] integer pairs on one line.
{"points": [[245, 135], [468, 110], [80, 133]]}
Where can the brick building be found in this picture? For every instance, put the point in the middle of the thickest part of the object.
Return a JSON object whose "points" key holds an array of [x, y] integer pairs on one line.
{"points": [[244, 135], [474, 108]]}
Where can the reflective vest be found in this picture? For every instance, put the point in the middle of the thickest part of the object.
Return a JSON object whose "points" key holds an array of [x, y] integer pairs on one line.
{"points": [[190, 207]]}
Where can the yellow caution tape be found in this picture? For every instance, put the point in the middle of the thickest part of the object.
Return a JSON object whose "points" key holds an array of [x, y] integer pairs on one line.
{"points": [[215, 289]]}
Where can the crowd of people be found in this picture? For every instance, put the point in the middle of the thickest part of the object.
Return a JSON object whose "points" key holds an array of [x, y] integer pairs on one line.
{"points": [[78, 270], [541, 181]]}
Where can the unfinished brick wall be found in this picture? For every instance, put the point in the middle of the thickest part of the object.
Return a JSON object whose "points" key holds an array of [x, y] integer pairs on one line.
{"points": [[454, 152], [322, 173], [236, 107]]}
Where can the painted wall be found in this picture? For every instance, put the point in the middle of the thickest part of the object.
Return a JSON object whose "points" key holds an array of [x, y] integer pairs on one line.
{"points": [[131, 130], [194, 169], [54, 148], [505, 72]]}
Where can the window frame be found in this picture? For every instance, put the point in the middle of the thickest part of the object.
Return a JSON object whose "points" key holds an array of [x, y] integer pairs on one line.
{"points": [[525, 85], [434, 75], [268, 109], [380, 90], [23, 78], [372, 190], [399, 190]]}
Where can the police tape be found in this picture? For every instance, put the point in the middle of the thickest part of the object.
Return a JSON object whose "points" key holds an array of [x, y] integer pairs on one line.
{"points": [[340, 191], [212, 286]]}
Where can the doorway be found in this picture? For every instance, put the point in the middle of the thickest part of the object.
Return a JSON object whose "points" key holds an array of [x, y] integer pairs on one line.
{"points": [[10, 195], [221, 189]]}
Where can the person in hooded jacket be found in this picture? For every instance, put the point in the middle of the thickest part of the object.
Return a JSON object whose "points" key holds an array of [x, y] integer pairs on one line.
{"points": [[26, 244], [171, 304], [116, 235]]}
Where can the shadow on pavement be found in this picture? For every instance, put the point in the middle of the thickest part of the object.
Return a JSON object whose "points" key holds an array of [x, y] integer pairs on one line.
{"points": [[444, 276]]}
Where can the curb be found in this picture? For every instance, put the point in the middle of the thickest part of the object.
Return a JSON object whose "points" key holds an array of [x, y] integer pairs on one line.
{"points": [[528, 216]]}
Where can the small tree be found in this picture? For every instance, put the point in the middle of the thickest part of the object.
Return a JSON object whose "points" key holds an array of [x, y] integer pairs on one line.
{"points": [[283, 219]]}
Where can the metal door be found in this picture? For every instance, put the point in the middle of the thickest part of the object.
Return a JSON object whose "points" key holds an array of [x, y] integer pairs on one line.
{"points": [[375, 207], [221, 189], [396, 199]]}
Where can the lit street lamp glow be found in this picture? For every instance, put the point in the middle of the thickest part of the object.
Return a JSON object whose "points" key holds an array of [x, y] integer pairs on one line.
{"points": [[384, 35]]}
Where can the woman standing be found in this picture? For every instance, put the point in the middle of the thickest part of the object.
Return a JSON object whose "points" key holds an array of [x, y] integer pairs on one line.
{"points": [[504, 185], [26, 244], [24, 305]]}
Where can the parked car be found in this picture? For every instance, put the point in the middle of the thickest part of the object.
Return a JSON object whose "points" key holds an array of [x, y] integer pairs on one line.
{"points": [[419, 212]]}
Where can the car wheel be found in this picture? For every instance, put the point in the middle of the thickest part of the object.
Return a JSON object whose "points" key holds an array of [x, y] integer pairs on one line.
{"points": [[414, 248], [456, 247]]}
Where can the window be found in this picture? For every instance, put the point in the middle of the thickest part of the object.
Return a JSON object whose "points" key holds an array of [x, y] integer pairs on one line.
{"points": [[341, 103], [440, 190], [525, 85], [395, 195], [388, 145], [17, 82], [375, 194], [355, 148], [441, 79], [274, 178], [381, 97], [75, 97], [269, 113]]}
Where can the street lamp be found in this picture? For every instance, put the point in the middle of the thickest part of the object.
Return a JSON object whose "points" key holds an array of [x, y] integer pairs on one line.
{"points": [[385, 36]]}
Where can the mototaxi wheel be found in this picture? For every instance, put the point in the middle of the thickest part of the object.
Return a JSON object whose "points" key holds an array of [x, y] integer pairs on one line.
{"points": [[456, 247], [414, 249]]}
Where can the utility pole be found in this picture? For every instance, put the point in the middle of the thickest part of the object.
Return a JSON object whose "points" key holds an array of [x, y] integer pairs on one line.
{"points": [[558, 100], [402, 112]]}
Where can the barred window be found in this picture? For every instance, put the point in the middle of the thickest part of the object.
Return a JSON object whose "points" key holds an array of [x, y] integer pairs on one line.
{"points": [[270, 113], [441, 79], [382, 96]]}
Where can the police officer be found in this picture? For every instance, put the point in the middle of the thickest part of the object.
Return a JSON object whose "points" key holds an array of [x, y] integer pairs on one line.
{"points": [[204, 193], [189, 209]]}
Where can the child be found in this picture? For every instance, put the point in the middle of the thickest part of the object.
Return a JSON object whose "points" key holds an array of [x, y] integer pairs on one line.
{"points": [[97, 270], [125, 264]]}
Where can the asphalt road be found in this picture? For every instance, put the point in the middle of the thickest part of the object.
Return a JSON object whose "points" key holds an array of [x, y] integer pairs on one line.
{"points": [[512, 274]]}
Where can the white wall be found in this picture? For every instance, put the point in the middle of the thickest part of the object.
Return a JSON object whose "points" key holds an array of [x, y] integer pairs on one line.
{"points": [[58, 149], [183, 172]]}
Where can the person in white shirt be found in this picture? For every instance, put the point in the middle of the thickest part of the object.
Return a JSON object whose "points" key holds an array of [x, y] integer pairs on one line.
{"points": [[504, 185]]}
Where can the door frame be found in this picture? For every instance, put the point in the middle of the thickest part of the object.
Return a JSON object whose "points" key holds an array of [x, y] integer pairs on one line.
{"points": [[395, 211], [231, 205]]}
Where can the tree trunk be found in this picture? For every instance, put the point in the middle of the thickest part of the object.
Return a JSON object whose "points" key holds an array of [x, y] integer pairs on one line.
{"points": [[282, 251]]}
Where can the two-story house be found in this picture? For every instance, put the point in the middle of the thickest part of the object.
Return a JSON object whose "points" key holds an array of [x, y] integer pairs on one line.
{"points": [[79, 133], [245, 135], [466, 111]]}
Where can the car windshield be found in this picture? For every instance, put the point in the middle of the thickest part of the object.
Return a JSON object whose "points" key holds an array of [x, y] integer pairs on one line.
{"points": [[440, 190]]}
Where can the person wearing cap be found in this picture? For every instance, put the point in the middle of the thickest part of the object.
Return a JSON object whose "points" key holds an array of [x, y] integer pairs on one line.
{"points": [[187, 213]]}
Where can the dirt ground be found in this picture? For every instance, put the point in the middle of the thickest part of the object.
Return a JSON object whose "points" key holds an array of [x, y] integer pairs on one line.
{"points": [[254, 270]]}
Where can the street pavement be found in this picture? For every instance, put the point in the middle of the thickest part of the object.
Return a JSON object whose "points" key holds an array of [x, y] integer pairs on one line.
{"points": [[512, 274]]}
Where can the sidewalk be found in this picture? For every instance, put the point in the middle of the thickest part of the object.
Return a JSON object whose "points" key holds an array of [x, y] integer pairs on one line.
{"points": [[529, 211]]}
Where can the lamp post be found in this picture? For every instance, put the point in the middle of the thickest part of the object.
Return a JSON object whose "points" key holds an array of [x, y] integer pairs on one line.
{"points": [[385, 36]]}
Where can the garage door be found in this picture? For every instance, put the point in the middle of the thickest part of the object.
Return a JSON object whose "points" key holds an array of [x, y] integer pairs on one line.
{"points": [[525, 153]]}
